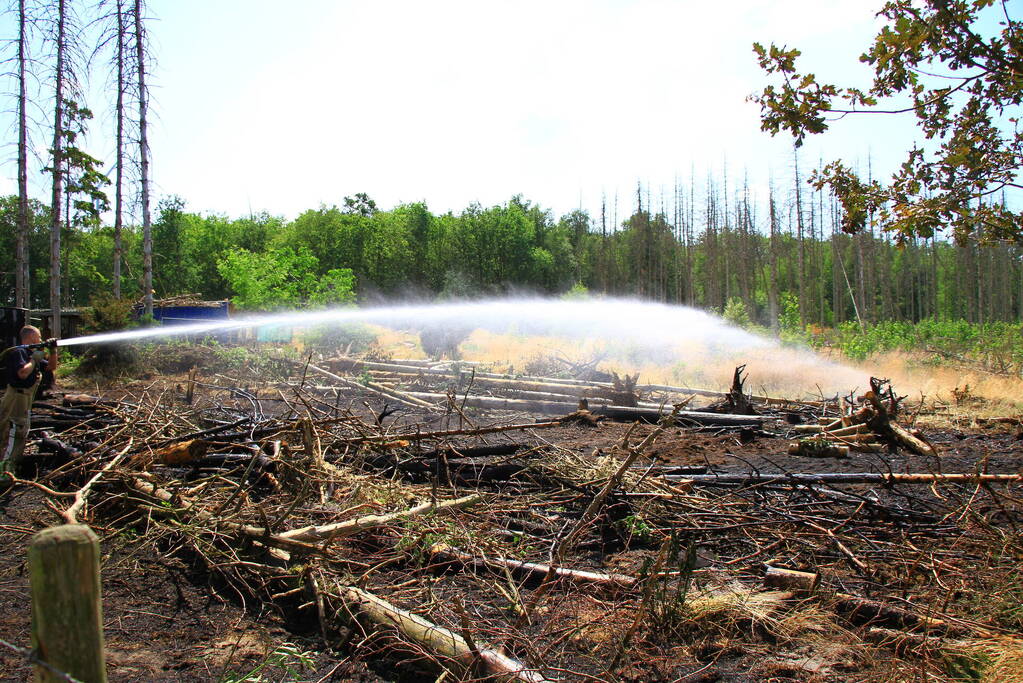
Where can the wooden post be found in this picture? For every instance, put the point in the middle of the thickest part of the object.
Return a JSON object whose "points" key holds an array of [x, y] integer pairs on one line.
{"points": [[67, 618]]}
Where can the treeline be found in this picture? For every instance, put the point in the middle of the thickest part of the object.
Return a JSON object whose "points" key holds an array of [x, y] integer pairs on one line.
{"points": [[782, 260]]}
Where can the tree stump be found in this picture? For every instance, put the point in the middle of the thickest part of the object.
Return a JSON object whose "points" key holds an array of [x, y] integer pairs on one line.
{"points": [[67, 616]]}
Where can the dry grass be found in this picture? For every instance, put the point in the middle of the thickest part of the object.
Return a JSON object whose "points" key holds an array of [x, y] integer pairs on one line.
{"points": [[996, 394], [991, 660]]}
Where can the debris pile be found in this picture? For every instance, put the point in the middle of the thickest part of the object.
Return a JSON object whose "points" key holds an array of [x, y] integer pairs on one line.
{"points": [[422, 513], [869, 425]]}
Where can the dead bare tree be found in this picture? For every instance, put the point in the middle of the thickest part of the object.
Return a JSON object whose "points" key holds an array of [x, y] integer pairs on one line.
{"points": [[114, 37], [22, 279], [141, 54], [62, 76]]}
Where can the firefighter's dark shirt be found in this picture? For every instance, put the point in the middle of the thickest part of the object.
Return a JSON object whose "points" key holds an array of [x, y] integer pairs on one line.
{"points": [[16, 359]]}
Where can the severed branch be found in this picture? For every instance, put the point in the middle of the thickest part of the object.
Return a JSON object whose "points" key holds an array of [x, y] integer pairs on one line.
{"points": [[384, 392], [317, 534], [71, 514], [444, 552], [440, 641], [303, 537]]}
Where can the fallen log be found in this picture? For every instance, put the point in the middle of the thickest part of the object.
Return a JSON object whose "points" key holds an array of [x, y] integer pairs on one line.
{"points": [[445, 433], [842, 431], [843, 478], [64, 451], [392, 394], [457, 453], [303, 536], [818, 448], [447, 553], [863, 611], [354, 363], [438, 640], [201, 433], [790, 579], [911, 441], [880, 408], [902, 642], [461, 470], [179, 453], [317, 534], [614, 412], [64, 424], [86, 400]]}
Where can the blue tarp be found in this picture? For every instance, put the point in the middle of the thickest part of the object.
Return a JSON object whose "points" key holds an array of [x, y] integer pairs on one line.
{"points": [[179, 315]]}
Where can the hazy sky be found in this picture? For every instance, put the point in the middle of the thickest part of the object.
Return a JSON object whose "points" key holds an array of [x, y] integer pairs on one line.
{"points": [[280, 107]]}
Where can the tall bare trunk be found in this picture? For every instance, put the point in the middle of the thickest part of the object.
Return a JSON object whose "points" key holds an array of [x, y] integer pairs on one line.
{"points": [[58, 185], [772, 264], [21, 265], [119, 161], [147, 228], [800, 245]]}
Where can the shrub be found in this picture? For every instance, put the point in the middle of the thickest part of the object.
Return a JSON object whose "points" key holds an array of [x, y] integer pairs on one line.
{"points": [[736, 313], [352, 338], [105, 313]]}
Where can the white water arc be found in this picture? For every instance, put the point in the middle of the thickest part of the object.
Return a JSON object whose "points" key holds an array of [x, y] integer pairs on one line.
{"points": [[601, 318], [657, 333]]}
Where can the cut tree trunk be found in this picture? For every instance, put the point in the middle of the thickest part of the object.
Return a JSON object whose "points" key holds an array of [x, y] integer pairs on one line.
{"points": [[844, 478], [613, 412], [438, 640], [448, 553]]}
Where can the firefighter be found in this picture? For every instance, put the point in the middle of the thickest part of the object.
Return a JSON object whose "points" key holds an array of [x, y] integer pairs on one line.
{"points": [[22, 367]]}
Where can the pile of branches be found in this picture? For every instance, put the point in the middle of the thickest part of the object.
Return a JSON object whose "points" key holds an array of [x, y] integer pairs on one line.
{"points": [[869, 424], [489, 550]]}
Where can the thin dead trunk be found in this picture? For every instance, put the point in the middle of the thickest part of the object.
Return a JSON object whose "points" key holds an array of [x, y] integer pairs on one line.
{"points": [[147, 228], [800, 246], [57, 175], [21, 266], [119, 160], [772, 262]]}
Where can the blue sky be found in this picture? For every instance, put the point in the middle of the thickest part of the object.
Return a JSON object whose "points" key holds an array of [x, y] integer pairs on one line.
{"points": [[279, 107]]}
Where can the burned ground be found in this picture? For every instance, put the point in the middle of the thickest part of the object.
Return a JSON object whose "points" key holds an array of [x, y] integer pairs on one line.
{"points": [[915, 580]]}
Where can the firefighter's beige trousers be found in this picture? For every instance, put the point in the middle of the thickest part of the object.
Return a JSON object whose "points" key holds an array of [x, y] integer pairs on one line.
{"points": [[15, 421]]}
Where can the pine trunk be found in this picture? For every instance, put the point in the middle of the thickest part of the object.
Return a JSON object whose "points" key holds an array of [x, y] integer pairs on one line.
{"points": [[800, 246], [21, 265], [147, 228], [58, 180], [119, 160]]}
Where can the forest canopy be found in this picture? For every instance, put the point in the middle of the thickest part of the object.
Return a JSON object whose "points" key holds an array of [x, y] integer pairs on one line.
{"points": [[777, 261]]}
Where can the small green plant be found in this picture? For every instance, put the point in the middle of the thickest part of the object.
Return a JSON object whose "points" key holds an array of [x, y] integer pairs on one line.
{"points": [[351, 338], [288, 657], [577, 292], [668, 609], [736, 313], [966, 666], [68, 365], [790, 326], [636, 527], [231, 357]]}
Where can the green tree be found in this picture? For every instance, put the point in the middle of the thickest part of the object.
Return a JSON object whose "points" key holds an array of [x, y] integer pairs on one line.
{"points": [[388, 256], [334, 237], [283, 278], [171, 269], [361, 204], [956, 64], [498, 247]]}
